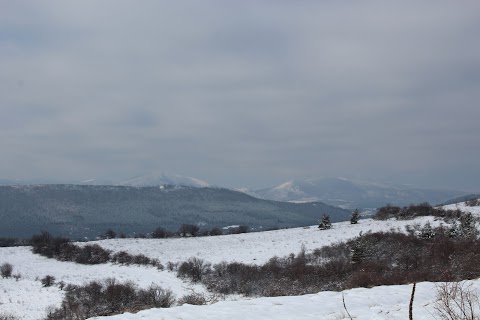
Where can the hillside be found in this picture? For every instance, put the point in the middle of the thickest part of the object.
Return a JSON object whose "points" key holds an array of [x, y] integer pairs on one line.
{"points": [[256, 247], [354, 194], [27, 299], [86, 211]]}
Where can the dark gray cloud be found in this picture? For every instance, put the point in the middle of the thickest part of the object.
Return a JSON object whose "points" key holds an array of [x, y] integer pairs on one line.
{"points": [[241, 92]]}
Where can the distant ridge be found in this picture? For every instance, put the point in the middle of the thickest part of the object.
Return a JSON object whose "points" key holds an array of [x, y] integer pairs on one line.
{"points": [[81, 211], [461, 199], [353, 194], [158, 179]]}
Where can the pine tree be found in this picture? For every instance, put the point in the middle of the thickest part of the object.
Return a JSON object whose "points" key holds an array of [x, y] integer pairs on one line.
{"points": [[359, 249], [467, 226], [427, 231], [355, 217], [454, 230], [325, 222]]}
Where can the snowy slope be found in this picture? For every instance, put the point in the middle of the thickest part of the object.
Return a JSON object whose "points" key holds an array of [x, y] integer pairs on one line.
{"points": [[462, 207], [255, 247], [28, 300], [384, 302]]}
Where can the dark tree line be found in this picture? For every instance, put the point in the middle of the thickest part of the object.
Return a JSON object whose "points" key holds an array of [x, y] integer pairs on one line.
{"points": [[412, 211], [63, 249]]}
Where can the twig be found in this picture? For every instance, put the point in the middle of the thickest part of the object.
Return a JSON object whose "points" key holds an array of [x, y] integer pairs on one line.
{"points": [[344, 306], [410, 307]]}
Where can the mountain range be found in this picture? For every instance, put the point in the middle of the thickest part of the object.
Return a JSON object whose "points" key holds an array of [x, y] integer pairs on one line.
{"points": [[79, 211], [352, 194], [341, 192]]}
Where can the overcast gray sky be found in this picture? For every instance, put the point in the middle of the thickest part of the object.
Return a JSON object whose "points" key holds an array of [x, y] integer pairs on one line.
{"points": [[241, 93]]}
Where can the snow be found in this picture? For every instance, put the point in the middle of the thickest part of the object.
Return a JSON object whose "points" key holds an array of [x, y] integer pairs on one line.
{"points": [[255, 247], [462, 207], [28, 300], [384, 302], [16, 295], [155, 179]]}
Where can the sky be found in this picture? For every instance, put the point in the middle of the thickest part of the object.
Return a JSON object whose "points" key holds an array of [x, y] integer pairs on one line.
{"points": [[241, 93]]}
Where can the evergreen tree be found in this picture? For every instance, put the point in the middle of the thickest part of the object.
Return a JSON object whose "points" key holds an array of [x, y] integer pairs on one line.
{"points": [[454, 230], [427, 231], [325, 222], [359, 249], [355, 217], [467, 226]]}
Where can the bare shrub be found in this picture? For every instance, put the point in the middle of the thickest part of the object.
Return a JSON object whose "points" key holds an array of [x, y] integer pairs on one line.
{"points": [[457, 301], [6, 270], [62, 249], [215, 231], [48, 281], [92, 254], [156, 263], [13, 242], [109, 298], [412, 211], [156, 297], [238, 230], [161, 233], [172, 265], [188, 230], [387, 212], [372, 259], [48, 245], [7, 316], [122, 257], [61, 285], [193, 298], [472, 202], [109, 234], [194, 268]]}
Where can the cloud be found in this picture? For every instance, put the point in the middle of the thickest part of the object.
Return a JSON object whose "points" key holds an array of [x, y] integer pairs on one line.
{"points": [[240, 92]]}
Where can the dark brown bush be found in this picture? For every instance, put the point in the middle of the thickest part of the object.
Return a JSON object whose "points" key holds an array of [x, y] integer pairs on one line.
{"points": [[412, 211], [92, 254], [109, 298], [387, 258], [238, 230], [194, 269], [215, 231], [188, 230], [161, 233], [48, 281], [194, 298], [7, 316], [6, 270]]}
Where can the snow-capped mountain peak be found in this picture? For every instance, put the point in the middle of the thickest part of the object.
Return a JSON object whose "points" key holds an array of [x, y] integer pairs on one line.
{"points": [[286, 191], [158, 179], [287, 186]]}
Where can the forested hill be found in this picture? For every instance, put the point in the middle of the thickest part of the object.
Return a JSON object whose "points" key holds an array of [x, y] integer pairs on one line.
{"points": [[87, 211]]}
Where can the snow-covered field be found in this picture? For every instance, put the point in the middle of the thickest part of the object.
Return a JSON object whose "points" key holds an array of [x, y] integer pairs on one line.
{"points": [[385, 302], [27, 299], [255, 247], [462, 207]]}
